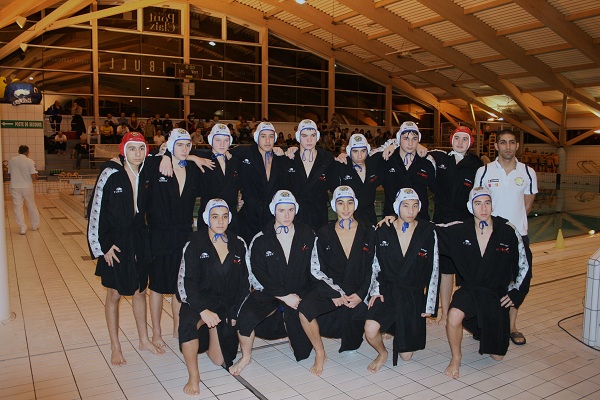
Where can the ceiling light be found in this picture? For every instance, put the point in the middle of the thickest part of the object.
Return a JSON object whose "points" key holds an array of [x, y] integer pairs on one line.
{"points": [[597, 131], [300, 1], [491, 119], [31, 78], [147, 88], [212, 43], [21, 21]]}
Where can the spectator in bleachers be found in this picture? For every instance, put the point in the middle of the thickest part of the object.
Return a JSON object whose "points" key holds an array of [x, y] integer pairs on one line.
{"points": [[149, 130], [156, 121], [122, 129], [55, 117], [107, 132], [123, 119], [197, 137], [159, 138], [80, 151], [167, 124], [134, 123], [60, 141], [93, 133]]}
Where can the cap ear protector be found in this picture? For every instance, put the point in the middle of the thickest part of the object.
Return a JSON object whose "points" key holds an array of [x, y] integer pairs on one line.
{"points": [[219, 130], [357, 141], [406, 127], [214, 203], [263, 126], [283, 197], [405, 194], [307, 124], [175, 135], [343, 192], [132, 137], [462, 129], [475, 193]]}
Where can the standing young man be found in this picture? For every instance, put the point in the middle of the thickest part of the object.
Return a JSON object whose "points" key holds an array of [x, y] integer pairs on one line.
{"points": [[513, 186], [118, 238], [22, 174]]}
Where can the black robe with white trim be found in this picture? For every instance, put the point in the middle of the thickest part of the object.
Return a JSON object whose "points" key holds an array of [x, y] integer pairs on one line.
{"points": [[407, 282], [419, 176], [338, 275], [311, 191], [257, 191], [206, 283], [272, 276], [503, 269], [364, 191]]}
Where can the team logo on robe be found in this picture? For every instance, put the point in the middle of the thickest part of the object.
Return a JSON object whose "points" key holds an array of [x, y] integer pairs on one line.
{"points": [[520, 181], [269, 253], [291, 170], [119, 190], [422, 253], [347, 177], [392, 170], [441, 166], [204, 255], [323, 178], [372, 178], [467, 243], [246, 161], [384, 243], [423, 174], [162, 179], [468, 183], [503, 248], [236, 260]]}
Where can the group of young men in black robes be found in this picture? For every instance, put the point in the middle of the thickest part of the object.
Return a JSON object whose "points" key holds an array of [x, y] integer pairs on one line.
{"points": [[300, 277]]}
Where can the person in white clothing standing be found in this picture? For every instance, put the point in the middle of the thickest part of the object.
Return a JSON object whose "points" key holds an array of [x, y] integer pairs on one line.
{"points": [[22, 174], [513, 186]]}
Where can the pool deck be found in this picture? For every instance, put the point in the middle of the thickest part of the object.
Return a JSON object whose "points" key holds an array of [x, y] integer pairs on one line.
{"points": [[58, 346]]}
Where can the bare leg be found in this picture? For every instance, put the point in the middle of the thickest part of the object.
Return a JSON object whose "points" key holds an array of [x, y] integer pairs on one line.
{"points": [[454, 332], [139, 313], [373, 336], [190, 354], [496, 357], [446, 285], [214, 348], [156, 303], [246, 343], [175, 307], [312, 331], [111, 310]]}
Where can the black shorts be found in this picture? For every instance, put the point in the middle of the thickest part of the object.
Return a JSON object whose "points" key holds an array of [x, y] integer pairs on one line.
{"points": [[384, 313], [463, 301], [314, 304], [124, 278], [188, 331], [447, 265], [163, 273]]}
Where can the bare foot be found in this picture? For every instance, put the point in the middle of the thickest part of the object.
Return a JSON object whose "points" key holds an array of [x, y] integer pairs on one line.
{"points": [[453, 367], [116, 357], [442, 320], [378, 362], [158, 341], [148, 345], [192, 387], [239, 366], [317, 368]]}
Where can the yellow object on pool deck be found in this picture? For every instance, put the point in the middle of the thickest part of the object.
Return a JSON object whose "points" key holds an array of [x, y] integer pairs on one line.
{"points": [[560, 240]]}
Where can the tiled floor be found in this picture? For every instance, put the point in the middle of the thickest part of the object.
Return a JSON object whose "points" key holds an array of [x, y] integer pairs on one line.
{"points": [[58, 347]]}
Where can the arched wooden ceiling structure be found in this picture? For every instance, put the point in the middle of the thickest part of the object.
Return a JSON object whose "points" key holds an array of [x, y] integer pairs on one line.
{"points": [[534, 63]]}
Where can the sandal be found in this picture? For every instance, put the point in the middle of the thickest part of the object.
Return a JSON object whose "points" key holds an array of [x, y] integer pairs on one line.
{"points": [[517, 338]]}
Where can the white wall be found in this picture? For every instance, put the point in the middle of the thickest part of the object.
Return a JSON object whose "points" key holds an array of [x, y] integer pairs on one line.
{"points": [[13, 138]]}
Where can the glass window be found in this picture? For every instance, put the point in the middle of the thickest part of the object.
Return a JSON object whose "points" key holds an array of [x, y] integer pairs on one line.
{"points": [[161, 87], [205, 25], [241, 53], [60, 82], [119, 41], [143, 107], [203, 49], [241, 33], [119, 85], [126, 20], [163, 46], [68, 60], [295, 58]]}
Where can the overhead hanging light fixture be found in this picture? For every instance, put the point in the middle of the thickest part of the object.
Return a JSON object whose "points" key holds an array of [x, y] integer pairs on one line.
{"points": [[21, 21], [300, 1]]}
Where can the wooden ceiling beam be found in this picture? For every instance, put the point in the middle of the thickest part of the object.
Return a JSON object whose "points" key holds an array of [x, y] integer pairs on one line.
{"points": [[583, 14], [518, 29], [343, 17], [569, 31], [425, 22], [486, 6], [473, 25], [426, 41], [379, 35]]}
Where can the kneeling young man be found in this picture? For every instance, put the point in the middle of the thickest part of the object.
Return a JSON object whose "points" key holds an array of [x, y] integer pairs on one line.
{"points": [[490, 256], [405, 292], [213, 282], [280, 257], [343, 266]]}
